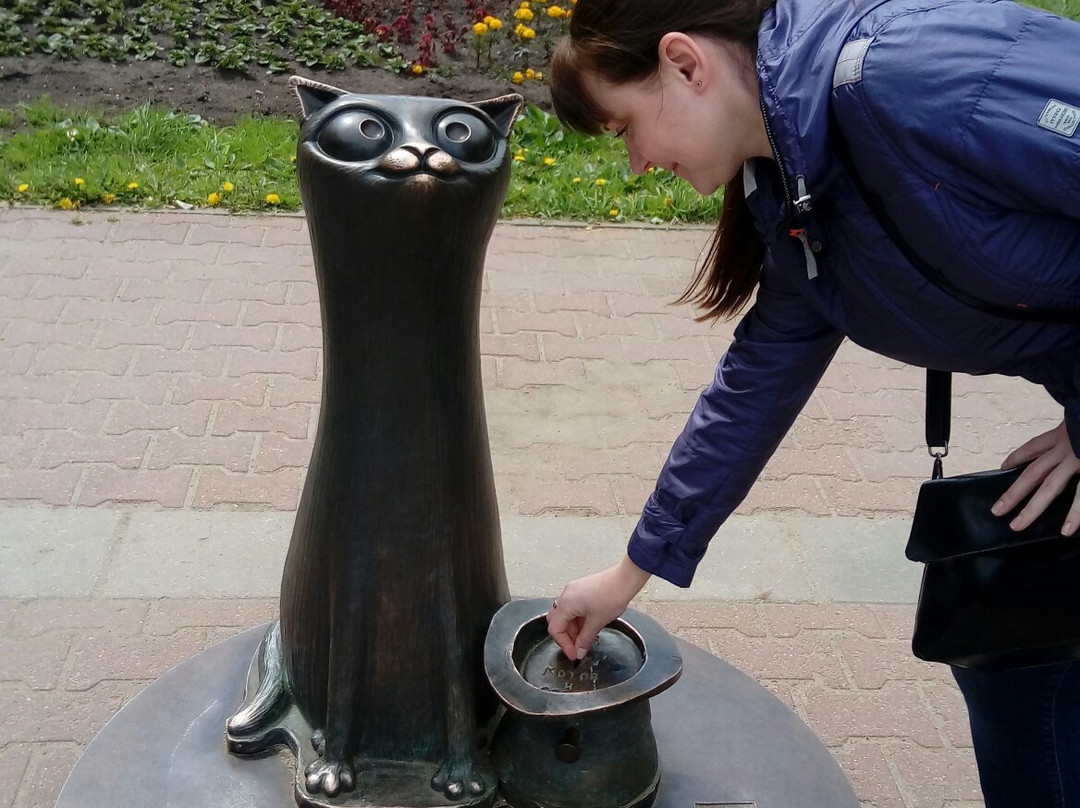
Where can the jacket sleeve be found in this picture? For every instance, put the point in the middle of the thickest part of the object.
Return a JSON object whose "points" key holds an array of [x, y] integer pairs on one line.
{"points": [[780, 351]]}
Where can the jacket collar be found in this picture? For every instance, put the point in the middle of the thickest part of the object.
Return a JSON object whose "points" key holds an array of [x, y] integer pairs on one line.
{"points": [[799, 42]]}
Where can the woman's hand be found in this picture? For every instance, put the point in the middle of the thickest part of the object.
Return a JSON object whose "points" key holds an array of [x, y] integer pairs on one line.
{"points": [[1053, 464], [590, 603]]}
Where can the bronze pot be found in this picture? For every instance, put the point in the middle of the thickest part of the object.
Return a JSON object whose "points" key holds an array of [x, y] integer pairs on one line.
{"points": [[577, 735]]}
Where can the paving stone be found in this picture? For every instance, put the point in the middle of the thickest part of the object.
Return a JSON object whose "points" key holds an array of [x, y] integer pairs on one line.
{"points": [[101, 656], [808, 656], [169, 615], [219, 555], [46, 552], [896, 710], [41, 615], [14, 760], [872, 663], [167, 488], [947, 703], [36, 660], [745, 618], [278, 489], [92, 386], [124, 451], [788, 619], [50, 764], [930, 778], [301, 364], [866, 767], [232, 452], [60, 716]]}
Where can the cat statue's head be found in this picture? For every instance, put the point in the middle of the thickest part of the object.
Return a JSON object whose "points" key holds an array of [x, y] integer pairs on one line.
{"points": [[404, 146]]}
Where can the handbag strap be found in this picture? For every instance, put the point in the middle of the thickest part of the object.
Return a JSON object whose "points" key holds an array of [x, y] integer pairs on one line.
{"points": [[938, 416]]}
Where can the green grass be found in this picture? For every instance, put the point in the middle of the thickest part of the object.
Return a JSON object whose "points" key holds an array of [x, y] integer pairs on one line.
{"points": [[157, 158]]}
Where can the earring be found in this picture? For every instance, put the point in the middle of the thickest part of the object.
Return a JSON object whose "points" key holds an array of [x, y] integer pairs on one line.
{"points": [[699, 84]]}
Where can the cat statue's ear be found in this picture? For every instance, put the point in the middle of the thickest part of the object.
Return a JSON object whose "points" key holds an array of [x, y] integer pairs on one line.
{"points": [[313, 95], [502, 110]]}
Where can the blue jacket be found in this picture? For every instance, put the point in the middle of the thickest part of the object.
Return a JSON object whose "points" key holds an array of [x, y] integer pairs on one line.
{"points": [[961, 116]]}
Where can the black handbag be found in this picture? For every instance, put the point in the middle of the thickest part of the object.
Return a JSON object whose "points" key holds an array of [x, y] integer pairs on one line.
{"points": [[991, 597]]}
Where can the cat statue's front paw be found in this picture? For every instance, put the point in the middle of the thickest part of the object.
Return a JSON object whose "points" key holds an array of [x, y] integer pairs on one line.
{"points": [[329, 777], [459, 778]]}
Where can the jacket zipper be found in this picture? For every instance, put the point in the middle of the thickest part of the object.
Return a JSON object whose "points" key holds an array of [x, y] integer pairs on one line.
{"points": [[802, 204]]}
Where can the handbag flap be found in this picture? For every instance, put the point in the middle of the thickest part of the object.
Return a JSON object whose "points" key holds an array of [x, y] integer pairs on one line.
{"points": [[952, 516]]}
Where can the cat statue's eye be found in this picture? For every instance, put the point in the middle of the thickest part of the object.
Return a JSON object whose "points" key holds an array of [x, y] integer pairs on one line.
{"points": [[356, 135], [465, 136]]}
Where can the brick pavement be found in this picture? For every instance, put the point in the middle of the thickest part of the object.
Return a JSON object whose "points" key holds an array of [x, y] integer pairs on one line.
{"points": [[172, 361]]}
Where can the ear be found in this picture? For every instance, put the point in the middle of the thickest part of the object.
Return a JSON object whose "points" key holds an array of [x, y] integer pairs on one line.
{"points": [[502, 110], [682, 54], [313, 95]]}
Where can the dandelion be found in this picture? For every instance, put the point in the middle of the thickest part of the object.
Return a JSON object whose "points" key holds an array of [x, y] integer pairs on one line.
{"points": [[524, 13], [556, 12], [480, 28], [669, 201], [292, 157], [418, 70], [133, 186], [273, 199], [24, 188], [650, 170], [576, 179], [108, 198], [214, 199], [549, 161], [66, 204], [227, 187], [518, 77], [613, 212], [601, 181], [519, 158], [79, 182]]}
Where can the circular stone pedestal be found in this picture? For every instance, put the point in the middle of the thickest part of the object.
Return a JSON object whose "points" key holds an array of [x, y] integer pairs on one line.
{"points": [[724, 742]]}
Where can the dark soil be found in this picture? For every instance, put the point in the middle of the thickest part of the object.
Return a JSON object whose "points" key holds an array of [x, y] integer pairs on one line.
{"points": [[220, 97]]}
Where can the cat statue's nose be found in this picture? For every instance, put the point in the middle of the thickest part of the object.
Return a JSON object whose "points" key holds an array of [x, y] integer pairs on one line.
{"points": [[411, 157]]}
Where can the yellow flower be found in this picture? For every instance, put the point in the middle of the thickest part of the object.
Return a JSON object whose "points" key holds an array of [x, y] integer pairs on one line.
{"points": [[518, 77], [669, 201], [66, 204], [418, 70], [651, 170], [108, 199], [613, 212], [132, 186], [549, 161], [576, 179], [524, 31], [292, 158], [273, 199], [539, 76], [524, 4], [556, 12], [530, 73], [227, 187], [79, 182], [519, 157], [523, 13], [214, 199], [480, 28], [601, 181], [24, 188], [494, 23]]}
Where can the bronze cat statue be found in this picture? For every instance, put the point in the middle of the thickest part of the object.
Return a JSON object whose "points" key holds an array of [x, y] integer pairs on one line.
{"points": [[395, 568]]}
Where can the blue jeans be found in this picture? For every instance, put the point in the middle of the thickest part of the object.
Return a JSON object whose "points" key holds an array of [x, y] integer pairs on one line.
{"points": [[1026, 728]]}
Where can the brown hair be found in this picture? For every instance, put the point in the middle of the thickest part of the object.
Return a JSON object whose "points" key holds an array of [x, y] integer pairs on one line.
{"points": [[619, 41]]}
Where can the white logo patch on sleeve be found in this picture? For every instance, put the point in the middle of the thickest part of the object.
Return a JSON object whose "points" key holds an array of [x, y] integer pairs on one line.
{"points": [[1060, 117]]}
